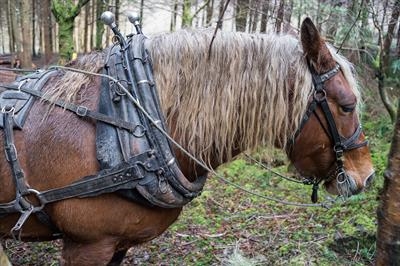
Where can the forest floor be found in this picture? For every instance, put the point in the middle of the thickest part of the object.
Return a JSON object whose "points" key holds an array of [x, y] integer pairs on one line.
{"points": [[227, 226]]}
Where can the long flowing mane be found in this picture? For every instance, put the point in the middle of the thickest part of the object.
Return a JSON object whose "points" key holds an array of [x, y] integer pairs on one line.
{"points": [[252, 90]]}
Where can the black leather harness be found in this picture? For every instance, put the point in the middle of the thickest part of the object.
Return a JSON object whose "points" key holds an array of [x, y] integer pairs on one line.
{"points": [[340, 144], [135, 157]]}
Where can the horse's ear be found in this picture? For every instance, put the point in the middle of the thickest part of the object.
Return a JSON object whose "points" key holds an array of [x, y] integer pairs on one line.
{"points": [[314, 47]]}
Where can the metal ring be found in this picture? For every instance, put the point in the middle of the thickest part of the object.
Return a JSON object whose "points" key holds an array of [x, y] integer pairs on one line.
{"points": [[319, 95], [22, 83], [340, 174], [115, 39], [8, 109], [139, 131], [37, 194]]}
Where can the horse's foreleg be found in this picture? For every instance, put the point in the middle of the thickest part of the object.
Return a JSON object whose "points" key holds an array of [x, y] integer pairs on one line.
{"points": [[118, 258], [94, 253]]}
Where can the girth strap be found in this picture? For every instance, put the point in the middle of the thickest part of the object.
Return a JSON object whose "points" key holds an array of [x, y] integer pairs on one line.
{"points": [[11, 153], [20, 204], [125, 176]]}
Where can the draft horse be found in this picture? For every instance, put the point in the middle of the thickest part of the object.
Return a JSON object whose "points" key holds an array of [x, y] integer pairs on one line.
{"points": [[253, 89]]}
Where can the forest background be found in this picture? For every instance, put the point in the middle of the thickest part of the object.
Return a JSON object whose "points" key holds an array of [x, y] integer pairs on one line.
{"points": [[224, 223]]}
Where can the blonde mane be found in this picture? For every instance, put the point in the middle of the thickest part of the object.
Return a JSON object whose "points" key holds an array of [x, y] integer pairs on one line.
{"points": [[235, 100]]}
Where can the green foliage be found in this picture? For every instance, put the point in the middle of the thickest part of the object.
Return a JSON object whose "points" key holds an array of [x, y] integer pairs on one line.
{"points": [[395, 66]]}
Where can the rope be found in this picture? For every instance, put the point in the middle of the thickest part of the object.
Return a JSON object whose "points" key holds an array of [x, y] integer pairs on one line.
{"points": [[305, 182], [187, 153]]}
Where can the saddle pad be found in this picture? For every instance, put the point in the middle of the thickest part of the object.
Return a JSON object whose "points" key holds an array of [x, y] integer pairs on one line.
{"points": [[19, 103]]}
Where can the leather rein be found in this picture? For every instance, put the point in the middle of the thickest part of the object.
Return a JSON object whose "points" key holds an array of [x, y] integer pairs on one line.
{"points": [[340, 144]]}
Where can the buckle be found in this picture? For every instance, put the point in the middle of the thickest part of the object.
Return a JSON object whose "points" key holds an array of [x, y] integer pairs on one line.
{"points": [[319, 95], [11, 153], [81, 110], [338, 149]]}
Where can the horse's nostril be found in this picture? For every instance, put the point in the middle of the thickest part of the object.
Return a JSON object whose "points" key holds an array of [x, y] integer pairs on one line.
{"points": [[369, 179]]}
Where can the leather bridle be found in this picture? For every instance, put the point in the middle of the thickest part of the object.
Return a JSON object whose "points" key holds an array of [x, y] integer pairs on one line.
{"points": [[340, 144]]}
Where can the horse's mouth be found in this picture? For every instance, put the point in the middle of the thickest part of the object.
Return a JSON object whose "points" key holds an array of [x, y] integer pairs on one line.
{"points": [[347, 186]]}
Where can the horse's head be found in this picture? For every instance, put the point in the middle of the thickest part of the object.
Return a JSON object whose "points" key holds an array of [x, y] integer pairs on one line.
{"points": [[329, 145]]}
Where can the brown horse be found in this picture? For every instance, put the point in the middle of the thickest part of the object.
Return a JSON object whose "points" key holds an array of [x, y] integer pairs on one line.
{"points": [[7, 76], [253, 90]]}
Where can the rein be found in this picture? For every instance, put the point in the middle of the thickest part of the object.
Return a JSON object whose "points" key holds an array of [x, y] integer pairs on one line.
{"points": [[340, 144]]}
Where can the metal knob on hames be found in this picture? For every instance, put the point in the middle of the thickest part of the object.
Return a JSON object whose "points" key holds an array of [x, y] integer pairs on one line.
{"points": [[108, 19], [134, 18]]}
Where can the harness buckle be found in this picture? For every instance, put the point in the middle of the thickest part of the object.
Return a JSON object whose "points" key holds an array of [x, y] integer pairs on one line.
{"points": [[341, 177], [11, 153], [81, 110], [338, 149], [16, 230], [319, 95], [8, 109]]}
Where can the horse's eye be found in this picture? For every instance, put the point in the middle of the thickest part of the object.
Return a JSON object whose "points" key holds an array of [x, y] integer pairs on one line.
{"points": [[348, 108]]}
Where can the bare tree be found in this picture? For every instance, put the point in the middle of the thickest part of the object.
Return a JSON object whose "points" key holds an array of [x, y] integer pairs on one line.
{"points": [[209, 11], [100, 8], [388, 232], [280, 16], [264, 16], [254, 15], [188, 14], [47, 29], [384, 54], [26, 30], [242, 12], [14, 14]]}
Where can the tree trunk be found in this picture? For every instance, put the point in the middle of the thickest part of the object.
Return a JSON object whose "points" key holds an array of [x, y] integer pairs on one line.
{"points": [[264, 16], [384, 96], [100, 8], [287, 16], [174, 14], [15, 28], [46, 16], [365, 29], [300, 12], [210, 10], [186, 14], [86, 29], [93, 27], [255, 15], [384, 61], [242, 11], [220, 14], [389, 36], [9, 27], [26, 30], [33, 27], [65, 12], [385, 7], [141, 12], [280, 16], [3, 18], [388, 231], [398, 43]]}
